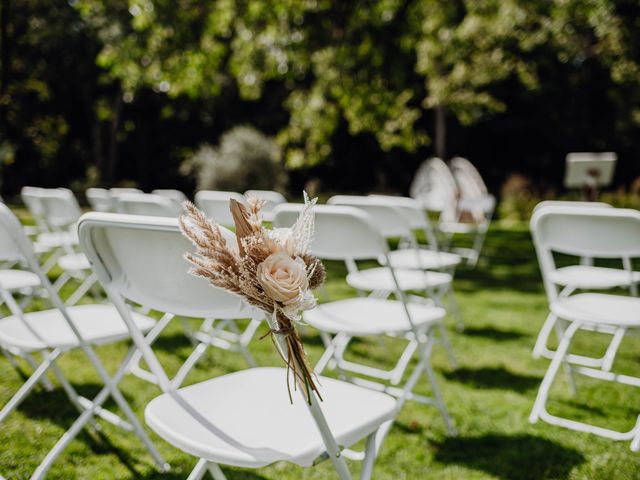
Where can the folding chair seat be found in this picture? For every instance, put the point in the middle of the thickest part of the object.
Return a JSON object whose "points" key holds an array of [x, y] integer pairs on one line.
{"points": [[51, 333], [11, 280], [584, 276], [229, 403], [587, 233], [349, 234], [215, 204], [98, 324], [371, 316], [243, 418]]}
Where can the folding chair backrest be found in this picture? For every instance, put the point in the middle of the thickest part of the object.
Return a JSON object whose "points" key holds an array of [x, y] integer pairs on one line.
{"points": [[413, 212], [609, 233], [60, 207], [591, 232], [341, 233], [142, 259], [13, 241], [32, 201], [435, 188], [468, 179], [175, 195], [120, 190], [389, 219], [156, 275], [215, 204], [147, 204], [100, 199], [565, 203]]}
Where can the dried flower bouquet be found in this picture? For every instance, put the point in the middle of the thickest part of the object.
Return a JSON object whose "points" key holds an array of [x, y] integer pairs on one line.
{"points": [[271, 269]]}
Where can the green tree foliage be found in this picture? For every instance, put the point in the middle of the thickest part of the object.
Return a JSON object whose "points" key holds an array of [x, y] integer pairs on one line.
{"points": [[377, 65], [128, 89]]}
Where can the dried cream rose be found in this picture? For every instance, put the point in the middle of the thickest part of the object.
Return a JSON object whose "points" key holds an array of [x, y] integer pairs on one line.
{"points": [[282, 277]]}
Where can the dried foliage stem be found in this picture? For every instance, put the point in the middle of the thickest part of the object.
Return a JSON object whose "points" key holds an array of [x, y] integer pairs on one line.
{"points": [[224, 267]]}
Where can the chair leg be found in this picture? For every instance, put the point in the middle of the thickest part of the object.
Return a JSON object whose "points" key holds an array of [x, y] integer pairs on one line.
{"points": [[435, 388], [243, 344], [370, 454], [549, 376], [612, 350], [31, 382], [84, 287], [215, 471], [46, 383], [566, 365], [454, 308], [543, 336], [199, 470], [110, 389], [444, 338], [71, 392]]}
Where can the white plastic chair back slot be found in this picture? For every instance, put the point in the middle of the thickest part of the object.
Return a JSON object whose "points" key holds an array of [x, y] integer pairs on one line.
{"points": [[565, 203], [215, 204], [361, 242], [147, 204], [143, 258], [115, 191], [435, 188], [60, 206], [389, 219], [100, 199], [468, 179], [588, 232], [11, 246], [171, 193]]}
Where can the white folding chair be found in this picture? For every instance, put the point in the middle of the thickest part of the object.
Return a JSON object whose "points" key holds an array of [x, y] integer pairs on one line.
{"points": [[583, 276], [393, 221], [473, 197], [54, 332], [100, 199], [175, 195], [435, 187], [242, 419], [147, 204], [271, 199], [591, 233], [61, 212], [215, 204], [348, 234], [219, 328]]}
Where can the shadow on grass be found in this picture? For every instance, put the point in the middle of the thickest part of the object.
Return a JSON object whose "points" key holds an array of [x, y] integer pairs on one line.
{"points": [[55, 405], [522, 457], [493, 377], [493, 333], [229, 474]]}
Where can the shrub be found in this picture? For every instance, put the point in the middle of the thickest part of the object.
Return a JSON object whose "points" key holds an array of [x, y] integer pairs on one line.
{"points": [[245, 159]]}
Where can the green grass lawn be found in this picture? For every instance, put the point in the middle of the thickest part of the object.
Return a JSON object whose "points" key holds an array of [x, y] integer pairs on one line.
{"points": [[489, 396]]}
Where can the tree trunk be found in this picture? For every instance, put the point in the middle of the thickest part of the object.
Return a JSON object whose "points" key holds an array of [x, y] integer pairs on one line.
{"points": [[441, 132], [112, 155]]}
